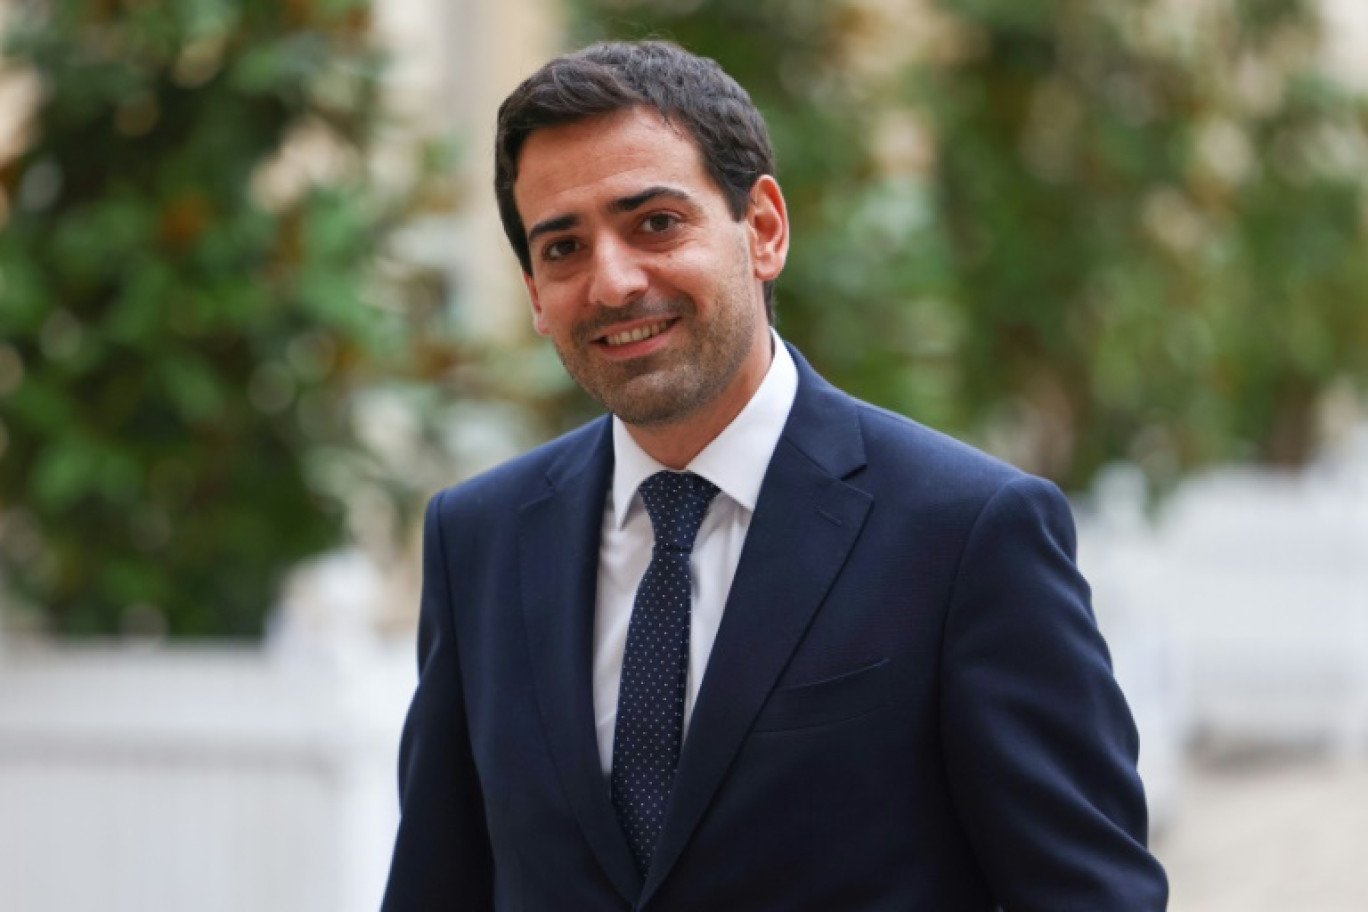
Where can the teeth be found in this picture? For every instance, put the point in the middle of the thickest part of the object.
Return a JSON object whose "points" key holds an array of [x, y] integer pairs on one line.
{"points": [[636, 335]]}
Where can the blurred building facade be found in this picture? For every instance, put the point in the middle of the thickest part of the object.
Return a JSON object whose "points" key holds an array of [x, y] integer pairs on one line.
{"points": [[454, 61]]}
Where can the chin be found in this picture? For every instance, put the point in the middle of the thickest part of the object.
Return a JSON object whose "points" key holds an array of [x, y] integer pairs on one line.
{"points": [[657, 401]]}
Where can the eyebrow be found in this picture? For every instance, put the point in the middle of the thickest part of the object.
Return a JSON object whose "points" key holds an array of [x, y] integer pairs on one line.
{"points": [[619, 205], [546, 226], [636, 200]]}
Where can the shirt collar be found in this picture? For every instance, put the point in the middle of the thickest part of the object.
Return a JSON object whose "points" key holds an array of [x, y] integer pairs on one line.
{"points": [[736, 460]]}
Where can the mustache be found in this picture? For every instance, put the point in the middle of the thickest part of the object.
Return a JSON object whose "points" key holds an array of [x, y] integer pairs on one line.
{"points": [[603, 318]]}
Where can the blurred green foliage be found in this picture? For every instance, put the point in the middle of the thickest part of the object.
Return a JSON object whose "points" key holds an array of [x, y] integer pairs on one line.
{"points": [[1073, 231], [184, 307]]}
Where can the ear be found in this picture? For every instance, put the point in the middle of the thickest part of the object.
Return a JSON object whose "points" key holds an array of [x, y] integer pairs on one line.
{"points": [[767, 221], [538, 318]]}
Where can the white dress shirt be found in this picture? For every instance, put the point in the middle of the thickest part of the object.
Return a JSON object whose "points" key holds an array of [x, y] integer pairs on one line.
{"points": [[736, 461]]}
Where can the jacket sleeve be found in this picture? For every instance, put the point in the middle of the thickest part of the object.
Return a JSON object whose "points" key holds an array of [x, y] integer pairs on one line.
{"points": [[1040, 745], [442, 857]]}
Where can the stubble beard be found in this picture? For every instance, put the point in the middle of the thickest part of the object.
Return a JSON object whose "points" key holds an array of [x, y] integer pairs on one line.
{"points": [[664, 387]]}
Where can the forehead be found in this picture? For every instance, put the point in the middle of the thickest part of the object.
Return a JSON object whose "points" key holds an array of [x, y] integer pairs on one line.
{"points": [[575, 167]]}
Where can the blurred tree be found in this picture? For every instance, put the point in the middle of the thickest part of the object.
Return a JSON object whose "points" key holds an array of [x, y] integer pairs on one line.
{"points": [[189, 271], [1072, 231]]}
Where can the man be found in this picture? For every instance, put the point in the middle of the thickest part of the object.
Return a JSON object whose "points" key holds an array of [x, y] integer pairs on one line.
{"points": [[748, 643]]}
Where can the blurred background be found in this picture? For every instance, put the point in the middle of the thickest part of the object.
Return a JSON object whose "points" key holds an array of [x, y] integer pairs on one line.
{"points": [[256, 307]]}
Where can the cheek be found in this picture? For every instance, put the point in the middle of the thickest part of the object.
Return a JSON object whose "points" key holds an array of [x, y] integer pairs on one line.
{"points": [[547, 319], [540, 323], [559, 313], [548, 301], [696, 273]]}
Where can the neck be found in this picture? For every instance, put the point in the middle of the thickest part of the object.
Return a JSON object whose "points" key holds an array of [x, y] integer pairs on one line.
{"points": [[674, 446], [676, 443]]}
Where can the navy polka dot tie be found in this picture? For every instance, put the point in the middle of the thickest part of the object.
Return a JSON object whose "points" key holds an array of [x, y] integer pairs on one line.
{"points": [[655, 662]]}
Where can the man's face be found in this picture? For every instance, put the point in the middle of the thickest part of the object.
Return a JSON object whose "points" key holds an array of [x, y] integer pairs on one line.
{"points": [[649, 289]]}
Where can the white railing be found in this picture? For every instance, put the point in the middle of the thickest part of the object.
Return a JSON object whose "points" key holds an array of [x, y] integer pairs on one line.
{"points": [[197, 779], [1257, 584]]}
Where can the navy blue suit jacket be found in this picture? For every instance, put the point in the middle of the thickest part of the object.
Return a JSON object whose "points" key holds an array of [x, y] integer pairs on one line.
{"points": [[908, 706]]}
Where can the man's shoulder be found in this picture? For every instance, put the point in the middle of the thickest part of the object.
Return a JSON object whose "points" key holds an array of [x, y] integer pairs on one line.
{"points": [[908, 459], [943, 479], [896, 458], [923, 447], [897, 449]]}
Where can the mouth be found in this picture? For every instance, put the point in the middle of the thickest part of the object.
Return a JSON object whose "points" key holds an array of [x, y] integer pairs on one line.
{"points": [[635, 334]]}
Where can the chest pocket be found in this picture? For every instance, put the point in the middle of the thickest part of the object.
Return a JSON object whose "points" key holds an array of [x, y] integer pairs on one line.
{"points": [[845, 696]]}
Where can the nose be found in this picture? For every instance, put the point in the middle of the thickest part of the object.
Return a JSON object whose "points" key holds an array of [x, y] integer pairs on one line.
{"points": [[618, 275]]}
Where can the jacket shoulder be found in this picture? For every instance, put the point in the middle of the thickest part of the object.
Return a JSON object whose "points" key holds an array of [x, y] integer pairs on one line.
{"points": [[914, 453]]}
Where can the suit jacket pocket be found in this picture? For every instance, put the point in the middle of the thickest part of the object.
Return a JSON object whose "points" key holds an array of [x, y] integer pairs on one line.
{"points": [[845, 696]]}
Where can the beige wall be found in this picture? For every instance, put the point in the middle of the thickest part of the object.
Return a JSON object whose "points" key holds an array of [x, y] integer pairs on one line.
{"points": [[455, 61], [1346, 38]]}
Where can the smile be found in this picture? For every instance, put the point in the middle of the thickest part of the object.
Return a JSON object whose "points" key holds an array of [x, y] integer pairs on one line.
{"points": [[638, 334]]}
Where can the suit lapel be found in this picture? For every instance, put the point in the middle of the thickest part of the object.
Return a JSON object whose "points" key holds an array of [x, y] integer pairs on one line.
{"points": [[806, 522], [559, 552]]}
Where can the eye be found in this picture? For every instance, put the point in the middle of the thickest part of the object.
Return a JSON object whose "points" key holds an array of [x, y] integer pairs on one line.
{"points": [[659, 222], [559, 249]]}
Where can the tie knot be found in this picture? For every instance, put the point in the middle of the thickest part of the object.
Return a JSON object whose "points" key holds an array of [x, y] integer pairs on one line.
{"points": [[676, 503]]}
